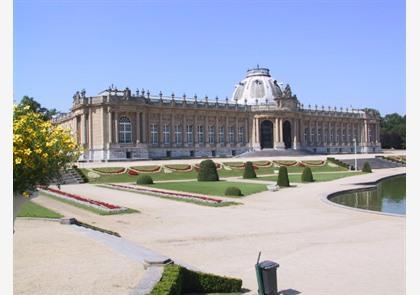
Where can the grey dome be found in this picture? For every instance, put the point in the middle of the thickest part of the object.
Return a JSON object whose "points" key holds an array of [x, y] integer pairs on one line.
{"points": [[258, 86]]}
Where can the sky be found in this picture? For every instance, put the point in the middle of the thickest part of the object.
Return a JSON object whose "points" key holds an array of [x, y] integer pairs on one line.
{"points": [[334, 52]]}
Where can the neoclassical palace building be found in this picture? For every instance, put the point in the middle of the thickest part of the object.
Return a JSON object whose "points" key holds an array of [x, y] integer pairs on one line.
{"points": [[261, 114]]}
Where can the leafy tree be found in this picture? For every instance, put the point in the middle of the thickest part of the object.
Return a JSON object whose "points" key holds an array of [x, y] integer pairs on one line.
{"points": [[393, 131], [33, 106], [208, 171]]}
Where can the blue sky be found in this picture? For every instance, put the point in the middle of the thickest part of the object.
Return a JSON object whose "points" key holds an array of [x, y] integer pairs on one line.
{"points": [[336, 52]]}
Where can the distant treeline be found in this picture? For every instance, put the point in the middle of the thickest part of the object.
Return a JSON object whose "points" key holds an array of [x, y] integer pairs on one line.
{"points": [[393, 131]]}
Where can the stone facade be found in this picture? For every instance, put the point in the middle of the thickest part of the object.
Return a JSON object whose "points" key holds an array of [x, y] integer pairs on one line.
{"points": [[119, 125]]}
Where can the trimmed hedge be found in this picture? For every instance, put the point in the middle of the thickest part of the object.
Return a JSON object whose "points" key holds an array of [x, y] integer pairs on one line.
{"points": [[233, 191], [283, 178], [366, 167], [307, 175], [249, 171], [144, 179], [208, 171], [177, 280]]}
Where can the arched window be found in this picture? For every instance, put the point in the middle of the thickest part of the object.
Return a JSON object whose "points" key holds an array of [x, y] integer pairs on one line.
{"points": [[124, 130]]}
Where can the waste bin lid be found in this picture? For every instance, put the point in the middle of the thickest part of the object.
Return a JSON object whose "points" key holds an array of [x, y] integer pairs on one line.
{"points": [[267, 264]]}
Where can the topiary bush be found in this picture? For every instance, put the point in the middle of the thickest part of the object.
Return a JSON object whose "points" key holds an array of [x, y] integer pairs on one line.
{"points": [[249, 171], [177, 280], [144, 179], [283, 178], [233, 191], [208, 171], [307, 175], [366, 168]]}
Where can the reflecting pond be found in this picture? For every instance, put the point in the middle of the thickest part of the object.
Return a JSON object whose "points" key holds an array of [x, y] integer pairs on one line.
{"points": [[388, 196]]}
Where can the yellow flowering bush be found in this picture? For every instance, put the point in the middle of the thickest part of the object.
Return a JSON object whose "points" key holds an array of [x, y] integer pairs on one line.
{"points": [[40, 150]]}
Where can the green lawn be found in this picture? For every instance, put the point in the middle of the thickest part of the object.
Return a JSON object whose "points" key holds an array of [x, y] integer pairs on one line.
{"points": [[193, 174], [213, 188], [31, 209], [317, 176]]}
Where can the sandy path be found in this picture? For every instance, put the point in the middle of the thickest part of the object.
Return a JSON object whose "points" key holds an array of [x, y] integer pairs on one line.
{"points": [[50, 258], [321, 248]]}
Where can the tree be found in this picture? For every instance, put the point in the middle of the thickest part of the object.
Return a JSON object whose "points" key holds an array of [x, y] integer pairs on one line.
{"points": [[208, 171], [34, 106], [249, 171], [393, 131], [283, 178]]}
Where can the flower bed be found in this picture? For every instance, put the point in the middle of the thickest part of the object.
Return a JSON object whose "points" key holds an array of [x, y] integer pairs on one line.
{"points": [[313, 163], [167, 194], [262, 164], [235, 165], [85, 201], [132, 172], [285, 163], [179, 167], [110, 170], [147, 169]]}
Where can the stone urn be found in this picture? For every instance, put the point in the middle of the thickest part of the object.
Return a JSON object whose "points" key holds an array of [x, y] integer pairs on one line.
{"points": [[19, 200]]}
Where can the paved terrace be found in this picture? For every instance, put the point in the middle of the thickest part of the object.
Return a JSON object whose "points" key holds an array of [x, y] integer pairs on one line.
{"points": [[321, 248]]}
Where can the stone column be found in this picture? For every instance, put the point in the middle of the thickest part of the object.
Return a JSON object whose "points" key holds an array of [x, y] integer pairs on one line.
{"points": [[295, 134], [257, 131], [172, 131], [137, 127], [378, 134], [226, 130], [216, 141], [247, 131], [236, 131], [116, 115], [195, 133], [276, 131], [280, 128], [302, 131], [206, 131], [366, 132], [109, 127], [83, 129], [316, 133], [160, 131], [143, 128]]}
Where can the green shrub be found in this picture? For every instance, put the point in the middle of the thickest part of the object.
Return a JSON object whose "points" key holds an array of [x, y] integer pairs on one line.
{"points": [[307, 175], [366, 168], [198, 282], [249, 171], [233, 191], [283, 178], [177, 280], [144, 179], [208, 171], [170, 283]]}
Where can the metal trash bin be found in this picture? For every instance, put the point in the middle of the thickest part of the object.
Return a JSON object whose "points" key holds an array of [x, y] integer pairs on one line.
{"points": [[269, 276]]}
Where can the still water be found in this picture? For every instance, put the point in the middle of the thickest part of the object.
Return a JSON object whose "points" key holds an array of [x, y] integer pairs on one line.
{"points": [[388, 196]]}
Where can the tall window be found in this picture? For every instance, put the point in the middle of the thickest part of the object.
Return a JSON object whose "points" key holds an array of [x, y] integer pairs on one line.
{"points": [[166, 134], [344, 135], [211, 134], [319, 139], [190, 134], [325, 135], [350, 138], [232, 134], [305, 135], [200, 130], [124, 130], [312, 135], [338, 135], [241, 135], [222, 134], [355, 133], [154, 133], [369, 133], [178, 134]]}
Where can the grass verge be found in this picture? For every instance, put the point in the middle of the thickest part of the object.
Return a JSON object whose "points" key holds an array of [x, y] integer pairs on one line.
{"points": [[31, 209], [318, 177]]}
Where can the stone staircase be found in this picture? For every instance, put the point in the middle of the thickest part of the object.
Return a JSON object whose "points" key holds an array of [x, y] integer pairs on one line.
{"points": [[274, 153], [375, 163], [70, 176]]}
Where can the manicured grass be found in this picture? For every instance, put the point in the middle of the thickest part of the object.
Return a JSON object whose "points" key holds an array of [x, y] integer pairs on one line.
{"points": [[31, 209], [85, 207], [317, 176], [212, 188], [179, 175]]}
